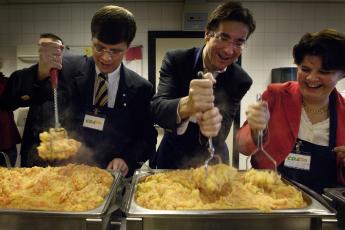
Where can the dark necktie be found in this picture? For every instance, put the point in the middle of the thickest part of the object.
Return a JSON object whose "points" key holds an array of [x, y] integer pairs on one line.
{"points": [[101, 98]]}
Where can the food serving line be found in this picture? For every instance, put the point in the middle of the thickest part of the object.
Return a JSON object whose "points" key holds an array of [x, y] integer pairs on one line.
{"points": [[98, 218], [317, 215], [120, 211]]}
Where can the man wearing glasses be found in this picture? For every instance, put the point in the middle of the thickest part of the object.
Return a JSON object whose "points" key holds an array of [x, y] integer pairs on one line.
{"points": [[193, 106], [102, 104]]}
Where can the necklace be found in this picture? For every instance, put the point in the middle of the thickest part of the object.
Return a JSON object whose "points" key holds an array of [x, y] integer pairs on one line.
{"points": [[323, 110]]}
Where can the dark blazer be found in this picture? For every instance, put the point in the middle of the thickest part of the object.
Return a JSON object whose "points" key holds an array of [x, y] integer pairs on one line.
{"points": [[179, 67], [8, 130], [285, 106], [128, 131]]}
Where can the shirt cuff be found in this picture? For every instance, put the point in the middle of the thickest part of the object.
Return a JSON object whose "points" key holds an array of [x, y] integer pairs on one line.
{"points": [[181, 125]]}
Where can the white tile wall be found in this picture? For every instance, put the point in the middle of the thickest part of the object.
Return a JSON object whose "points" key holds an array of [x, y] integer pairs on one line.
{"points": [[279, 27]]}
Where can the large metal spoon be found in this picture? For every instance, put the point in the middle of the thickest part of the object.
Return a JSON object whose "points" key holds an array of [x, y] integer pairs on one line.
{"points": [[210, 142], [259, 145], [54, 83]]}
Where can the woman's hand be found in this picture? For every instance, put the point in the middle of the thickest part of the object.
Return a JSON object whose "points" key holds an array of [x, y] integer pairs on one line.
{"points": [[340, 150], [258, 116]]}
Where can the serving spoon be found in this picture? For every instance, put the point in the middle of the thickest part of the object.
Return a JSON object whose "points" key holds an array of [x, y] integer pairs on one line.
{"points": [[259, 145]]}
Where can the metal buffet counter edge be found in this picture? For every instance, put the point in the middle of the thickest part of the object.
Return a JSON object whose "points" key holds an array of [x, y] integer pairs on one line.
{"points": [[317, 215], [98, 218]]}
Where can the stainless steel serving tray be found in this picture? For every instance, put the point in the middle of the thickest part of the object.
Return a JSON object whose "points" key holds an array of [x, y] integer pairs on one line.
{"points": [[153, 218], [41, 219]]}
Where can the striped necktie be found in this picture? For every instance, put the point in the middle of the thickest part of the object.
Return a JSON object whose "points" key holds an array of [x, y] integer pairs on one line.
{"points": [[101, 98]]}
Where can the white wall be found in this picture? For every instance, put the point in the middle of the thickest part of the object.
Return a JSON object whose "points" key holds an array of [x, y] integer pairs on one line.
{"points": [[279, 27], [22, 24]]}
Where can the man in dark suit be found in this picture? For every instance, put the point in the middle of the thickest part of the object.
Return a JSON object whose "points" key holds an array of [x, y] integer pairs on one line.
{"points": [[191, 107], [117, 131]]}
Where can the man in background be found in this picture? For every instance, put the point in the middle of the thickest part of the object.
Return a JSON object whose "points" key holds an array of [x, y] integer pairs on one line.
{"points": [[192, 108], [49, 37]]}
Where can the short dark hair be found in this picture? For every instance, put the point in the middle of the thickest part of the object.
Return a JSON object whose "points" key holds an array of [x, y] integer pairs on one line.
{"points": [[231, 11], [52, 36], [328, 44], [113, 24]]}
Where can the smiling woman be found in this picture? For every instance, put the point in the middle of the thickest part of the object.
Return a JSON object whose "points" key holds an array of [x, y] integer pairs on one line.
{"points": [[310, 114]]}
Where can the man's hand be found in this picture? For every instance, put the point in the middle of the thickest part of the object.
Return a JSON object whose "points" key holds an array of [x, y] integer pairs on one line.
{"points": [[210, 122], [50, 56], [200, 97], [118, 164]]}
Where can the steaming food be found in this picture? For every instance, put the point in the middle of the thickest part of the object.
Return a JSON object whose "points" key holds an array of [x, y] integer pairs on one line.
{"points": [[224, 188], [55, 145], [67, 188]]}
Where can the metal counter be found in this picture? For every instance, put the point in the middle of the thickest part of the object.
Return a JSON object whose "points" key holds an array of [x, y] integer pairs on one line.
{"points": [[315, 216], [98, 218]]}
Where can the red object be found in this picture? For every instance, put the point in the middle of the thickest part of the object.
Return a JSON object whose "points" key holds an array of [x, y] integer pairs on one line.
{"points": [[134, 53], [9, 135], [54, 77]]}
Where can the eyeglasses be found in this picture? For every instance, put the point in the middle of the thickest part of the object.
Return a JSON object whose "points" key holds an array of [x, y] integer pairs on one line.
{"points": [[112, 52], [225, 40]]}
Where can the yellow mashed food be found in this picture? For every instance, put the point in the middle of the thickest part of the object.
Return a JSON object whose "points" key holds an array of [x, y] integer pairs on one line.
{"points": [[223, 188], [67, 188], [55, 145]]}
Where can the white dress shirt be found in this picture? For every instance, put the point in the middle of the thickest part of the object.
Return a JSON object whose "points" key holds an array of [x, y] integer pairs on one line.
{"points": [[314, 133]]}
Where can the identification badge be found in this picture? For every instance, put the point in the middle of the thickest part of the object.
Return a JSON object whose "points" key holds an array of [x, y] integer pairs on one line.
{"points": [[298, 161], [94, 122]]}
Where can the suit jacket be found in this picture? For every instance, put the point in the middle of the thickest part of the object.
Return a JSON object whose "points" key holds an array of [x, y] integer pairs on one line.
{"points": [[8, 130], [128, 132], [179, 67], [285, 106]]}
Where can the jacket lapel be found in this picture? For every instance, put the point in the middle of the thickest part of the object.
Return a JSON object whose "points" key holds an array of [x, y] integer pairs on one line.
{"points": [[85, 79], [123, 91], [292, 104], [197, 65]]}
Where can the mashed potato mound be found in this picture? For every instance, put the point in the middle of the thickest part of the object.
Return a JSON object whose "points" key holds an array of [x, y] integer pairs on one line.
{"points": [[55, 145], [67, 188], [223, 188]]}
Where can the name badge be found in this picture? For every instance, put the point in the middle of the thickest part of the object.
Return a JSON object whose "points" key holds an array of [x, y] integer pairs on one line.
{"points": [[93, 122], [298, 161]]}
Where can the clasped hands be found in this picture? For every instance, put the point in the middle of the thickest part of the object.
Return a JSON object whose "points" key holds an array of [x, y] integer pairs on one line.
{"points": [[200, 103]]}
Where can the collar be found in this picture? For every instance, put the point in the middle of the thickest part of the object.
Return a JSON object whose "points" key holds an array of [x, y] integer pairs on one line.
{"points": [[111, 75]]}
